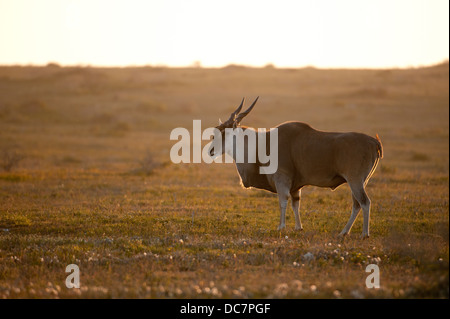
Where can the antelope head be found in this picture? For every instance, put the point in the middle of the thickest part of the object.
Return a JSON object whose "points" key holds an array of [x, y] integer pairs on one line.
{"points": [[216, 149]]}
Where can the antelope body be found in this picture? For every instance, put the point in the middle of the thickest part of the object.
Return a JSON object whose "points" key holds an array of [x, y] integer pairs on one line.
{"points": [[309, 157]]}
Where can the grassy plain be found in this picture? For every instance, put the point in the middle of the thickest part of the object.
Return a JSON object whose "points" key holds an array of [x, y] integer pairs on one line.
{"points": [[86, 178]]}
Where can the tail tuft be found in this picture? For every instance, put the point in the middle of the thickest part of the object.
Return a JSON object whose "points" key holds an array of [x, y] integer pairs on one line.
{"points": [[380, 146]]}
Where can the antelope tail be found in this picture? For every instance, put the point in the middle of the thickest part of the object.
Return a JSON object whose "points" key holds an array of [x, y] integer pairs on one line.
{"points": [[380, 147], [377, 160]]}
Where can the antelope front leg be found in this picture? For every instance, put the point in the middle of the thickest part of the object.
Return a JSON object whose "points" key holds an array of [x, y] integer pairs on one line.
{"points": [[295, 196], [283, 204], [282, 184], [283, 196]]}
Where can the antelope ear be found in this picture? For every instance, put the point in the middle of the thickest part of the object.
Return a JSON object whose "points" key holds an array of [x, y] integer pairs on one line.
{"points": [[220, 122]]}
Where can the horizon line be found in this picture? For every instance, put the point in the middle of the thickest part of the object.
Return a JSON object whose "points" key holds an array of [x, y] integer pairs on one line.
{"points": [[198, 65]]}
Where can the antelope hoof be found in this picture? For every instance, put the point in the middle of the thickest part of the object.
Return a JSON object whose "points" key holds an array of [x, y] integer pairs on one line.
{"points": [[364, 236], [342, 234], [281, 227], [299, 228]]}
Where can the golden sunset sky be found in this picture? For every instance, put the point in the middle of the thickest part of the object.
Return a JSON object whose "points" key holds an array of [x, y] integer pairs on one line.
{"points": [[321, 33]]}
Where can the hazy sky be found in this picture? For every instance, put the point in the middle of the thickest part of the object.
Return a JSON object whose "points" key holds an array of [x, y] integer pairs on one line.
{"points": [[322, 33]]}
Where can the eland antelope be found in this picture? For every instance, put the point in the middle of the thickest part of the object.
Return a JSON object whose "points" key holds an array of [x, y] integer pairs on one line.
{"points": [[306, 157]]}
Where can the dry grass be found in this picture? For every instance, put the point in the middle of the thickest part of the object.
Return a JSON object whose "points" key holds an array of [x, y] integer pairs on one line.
{"points": [[87, 191]]}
